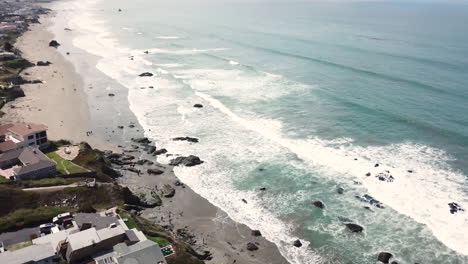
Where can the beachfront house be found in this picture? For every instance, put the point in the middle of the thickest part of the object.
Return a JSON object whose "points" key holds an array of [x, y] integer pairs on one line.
{"points": [[25, 134], [34, 254], [26, 164], [144, 252]]}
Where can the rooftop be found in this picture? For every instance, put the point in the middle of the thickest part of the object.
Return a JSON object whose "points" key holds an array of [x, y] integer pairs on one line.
{"points": [[7, 146], [33, 253], [30, 157], [92, 236], [144, 252], [24, 129]]}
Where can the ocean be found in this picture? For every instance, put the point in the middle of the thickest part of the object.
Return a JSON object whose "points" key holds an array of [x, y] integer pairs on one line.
{"points": [[362, 106]]}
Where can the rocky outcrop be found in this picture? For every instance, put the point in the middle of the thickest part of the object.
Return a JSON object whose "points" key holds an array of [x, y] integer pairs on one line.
{"points": [[151, 149], [297, 243], [186, 161], [354, 228], [168, 191], [43, 63], [54, 43], [319, 204], [189, 139], [251, 246], [144, 197], [385, 177], [160, 152], [256, 233], [369, 199], [155, 171], [142, 140], [384, 257], [146, 74]]}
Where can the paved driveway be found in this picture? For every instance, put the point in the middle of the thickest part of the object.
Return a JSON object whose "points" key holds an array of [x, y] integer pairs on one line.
{"points": [[22, 235]]}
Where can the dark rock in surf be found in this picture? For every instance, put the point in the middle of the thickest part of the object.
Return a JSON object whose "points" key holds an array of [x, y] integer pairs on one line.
{"points": [[384, 257], [256, 233], [151, 149], [251, 246], [143, 140], [54, 43], [111, 94], [354, 228], [454, 208], [120, 127], [189, 139], [198, 105], [297, 243], [368, 174], [262, 189], [385, 177], [186, 161], [340, 190], [154, 171], [410, 171], [376, 165], [160, 152], [245, 201], [146, 74], [319, 204], [43, 63]]}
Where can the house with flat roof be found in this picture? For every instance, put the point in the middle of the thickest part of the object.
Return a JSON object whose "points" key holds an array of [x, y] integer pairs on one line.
{"points": [[86, 243], [25, 135], [26, 164], [144, 252], [35, 254]]}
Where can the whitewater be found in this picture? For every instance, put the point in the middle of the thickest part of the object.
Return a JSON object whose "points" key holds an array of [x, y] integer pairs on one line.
{"points": [[248, 141]]}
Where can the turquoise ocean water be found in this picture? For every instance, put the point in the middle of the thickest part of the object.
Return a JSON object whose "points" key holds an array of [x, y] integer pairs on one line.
{"points": [[305, 99]]}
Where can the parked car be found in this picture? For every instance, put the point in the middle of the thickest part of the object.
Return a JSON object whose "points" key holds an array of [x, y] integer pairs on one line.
{"points": [[46, 228]]}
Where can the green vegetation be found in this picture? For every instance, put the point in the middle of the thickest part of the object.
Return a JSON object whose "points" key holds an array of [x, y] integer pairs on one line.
{"points": [[64, 166], [93, 159], [73, 190], [19, 245], [12, 199], [4, 180], [157, 234], [160, 240], [22, 218], [130, 222], [42, 182]]}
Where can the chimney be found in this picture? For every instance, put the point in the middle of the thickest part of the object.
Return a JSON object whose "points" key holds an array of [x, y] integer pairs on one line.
{"points": [[29, 126]]}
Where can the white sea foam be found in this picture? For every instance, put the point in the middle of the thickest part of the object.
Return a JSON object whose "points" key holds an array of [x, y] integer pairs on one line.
{"points": [[422, 195], [168, 37], [233, 62]]}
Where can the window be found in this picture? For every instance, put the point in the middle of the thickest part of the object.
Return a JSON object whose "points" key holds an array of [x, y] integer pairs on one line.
{"points": [[38, 142], [37, 135], [42, 134], [43, 140], [32, 143], [31, 137]]}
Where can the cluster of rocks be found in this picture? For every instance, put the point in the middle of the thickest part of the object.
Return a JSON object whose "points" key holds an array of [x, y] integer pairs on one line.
{"points": [[369, 199], [385, 176], [455, 208], [188, 161]]}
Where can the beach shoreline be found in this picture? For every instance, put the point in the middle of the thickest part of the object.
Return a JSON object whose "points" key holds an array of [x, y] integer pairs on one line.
{"points": [[62, 103]]}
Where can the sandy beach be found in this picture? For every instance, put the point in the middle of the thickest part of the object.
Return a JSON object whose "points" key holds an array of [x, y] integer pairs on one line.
{"points": [[61, 103]]}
